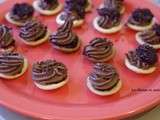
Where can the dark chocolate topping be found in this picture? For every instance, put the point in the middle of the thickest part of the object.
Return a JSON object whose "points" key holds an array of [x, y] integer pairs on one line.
{"points": [[64, 35], [115, 4], [156, 28], [151, 36], [143, 57], [48, 4], [98, 49], [49, 72], [22, 12], [141, 17], [74, 10], [11, 63], [6, 38], [33, 30], [147, 54], [103, 77], [108, 17]]}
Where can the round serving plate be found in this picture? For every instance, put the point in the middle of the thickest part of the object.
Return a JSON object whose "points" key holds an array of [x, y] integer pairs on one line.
{"points": [[138, 94]]}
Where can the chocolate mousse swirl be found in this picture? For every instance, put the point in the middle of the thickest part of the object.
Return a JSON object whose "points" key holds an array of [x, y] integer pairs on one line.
{"points": [[73, 9], [11, 63], [22, 12], [141, 17], [108, 17], [48, 4], [6, 38], [116, 4], [33, 30], [49, 72], [64, 36], [143, 57], [151, 36], [103, 77], [98, 49]]}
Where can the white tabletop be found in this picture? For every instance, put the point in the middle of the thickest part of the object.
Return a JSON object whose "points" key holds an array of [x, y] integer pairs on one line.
{"points": [[6, 114]]}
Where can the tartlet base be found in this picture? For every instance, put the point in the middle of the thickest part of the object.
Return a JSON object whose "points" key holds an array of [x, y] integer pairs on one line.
{"points": [[141, 28], [89, 7], [104, 93], [38, 42], [68, 50], [141, 42], [138, 70], [47, 12], [10, 20], [106, 31], [52, 86], [25, 66], [76, 23]]}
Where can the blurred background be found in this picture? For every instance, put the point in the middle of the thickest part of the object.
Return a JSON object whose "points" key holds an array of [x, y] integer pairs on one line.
{"points": [[6, 114]]}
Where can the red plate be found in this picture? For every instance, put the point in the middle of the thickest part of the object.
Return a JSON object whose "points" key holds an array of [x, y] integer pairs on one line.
{"points": [[74, 100]]}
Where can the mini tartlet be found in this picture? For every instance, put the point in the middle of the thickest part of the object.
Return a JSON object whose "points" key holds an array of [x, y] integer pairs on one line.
{"points": [[64, 39], [47, 7], [49, 74], [143, 60], [99, 50], [104, 80], [108, 21], [150, 37], [12, 65], [33, 33], [20, 13], [7, 42], [141, 19], [72, 10], [117, 4]]}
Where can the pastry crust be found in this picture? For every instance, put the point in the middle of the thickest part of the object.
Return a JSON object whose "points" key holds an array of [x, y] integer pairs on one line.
{"points": [[104, 93], [68, 50], [52, 86], [38, 42], [89, 7], [106, 31], [141, 28], [10, 20], [25, 66], [47, 12], [141, 42], [138, 70], [76, 23]]}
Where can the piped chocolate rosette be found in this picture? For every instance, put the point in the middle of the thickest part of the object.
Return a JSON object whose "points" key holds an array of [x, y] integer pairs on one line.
{"points": [[7, 42], [108, 21], [87, 4], [99, 50], [12, 65], [49, 74], [47, 7], [141, 19], [150, 37], [104, 80], [72, 10], [34, 33], [116, 4], [20, 13], [143, 60], [64, 39]]}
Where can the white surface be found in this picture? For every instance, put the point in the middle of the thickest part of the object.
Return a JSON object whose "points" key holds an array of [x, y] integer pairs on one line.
{"points": [[6, 114]]}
